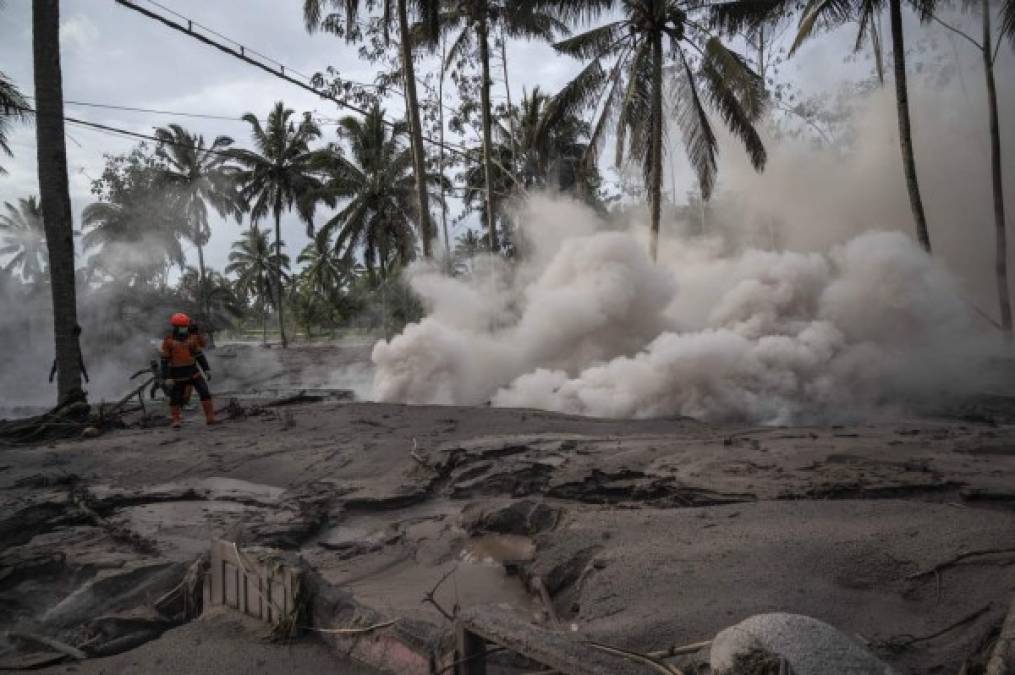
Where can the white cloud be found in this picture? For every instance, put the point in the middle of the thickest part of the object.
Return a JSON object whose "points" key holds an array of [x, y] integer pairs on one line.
{"points": [[77, 31]]}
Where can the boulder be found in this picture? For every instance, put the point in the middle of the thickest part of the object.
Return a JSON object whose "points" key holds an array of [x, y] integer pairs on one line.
{"points": [[809, 647]]}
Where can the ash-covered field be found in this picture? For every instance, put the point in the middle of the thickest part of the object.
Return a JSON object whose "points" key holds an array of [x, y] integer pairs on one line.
{"points": [[643, 534]]}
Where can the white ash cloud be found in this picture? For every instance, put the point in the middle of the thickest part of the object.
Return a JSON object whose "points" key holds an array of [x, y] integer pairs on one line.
{"points": [[588, 325]]}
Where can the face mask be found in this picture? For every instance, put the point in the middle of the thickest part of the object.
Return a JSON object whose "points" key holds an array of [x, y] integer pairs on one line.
{"points": [[180, 333]]}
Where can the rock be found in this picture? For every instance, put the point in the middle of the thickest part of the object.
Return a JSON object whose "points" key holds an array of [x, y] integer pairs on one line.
{"points": [[809, 646], [90, 432]]}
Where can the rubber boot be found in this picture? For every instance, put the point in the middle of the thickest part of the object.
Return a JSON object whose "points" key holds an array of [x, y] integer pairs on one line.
{"points": [[209, 412], [174, 412]]}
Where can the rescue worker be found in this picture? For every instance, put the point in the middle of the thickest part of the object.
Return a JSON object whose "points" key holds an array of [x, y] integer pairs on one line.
{"points": [[182, 365]]}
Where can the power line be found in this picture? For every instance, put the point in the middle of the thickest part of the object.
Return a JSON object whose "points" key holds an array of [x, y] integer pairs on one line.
{"points": [[153, 111], [244, 55], [226, 153], [137, 134]]}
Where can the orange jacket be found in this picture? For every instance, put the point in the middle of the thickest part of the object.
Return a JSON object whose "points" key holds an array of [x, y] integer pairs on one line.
{"points": [[179, 356]]}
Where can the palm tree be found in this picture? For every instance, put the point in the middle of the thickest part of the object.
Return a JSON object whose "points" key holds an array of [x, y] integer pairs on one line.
{"points": [[137, 238], [198, 176], [55, 197], [551, 149], [733, 15], [378, 183], [212, 294], [325, 271], [257, 271], [473, 20], [12, 107], [428, 9], [634, 87], [23, 237], [278, 175]]}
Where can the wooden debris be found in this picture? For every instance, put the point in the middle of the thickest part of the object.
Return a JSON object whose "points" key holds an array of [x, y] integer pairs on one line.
{"points": [[959, 558], [1002, 658], [49, 642]]}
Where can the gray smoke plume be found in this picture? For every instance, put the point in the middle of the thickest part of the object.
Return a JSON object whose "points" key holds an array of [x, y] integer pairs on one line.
{"points": [[805, 299]]}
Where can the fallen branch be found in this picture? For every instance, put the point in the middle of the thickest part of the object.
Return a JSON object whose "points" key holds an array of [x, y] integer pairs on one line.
{"points": [[454, 664], [351, 631], [652, 662], [416, 456], [904, 641], [959, 558], [670, 652], [692, 648], [429, 598], [1002, 658], [540, 588], [116, 532], [55, 645]]}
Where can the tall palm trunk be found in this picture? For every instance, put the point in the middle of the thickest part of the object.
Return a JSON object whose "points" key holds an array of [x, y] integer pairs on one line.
{"points": [[416, 129], [440, 164], [202, 293], [905, 131], [55, 196], [1001, 245], [511, 110], [656, 140], [278, 277], [879, 63], [484, 57]]}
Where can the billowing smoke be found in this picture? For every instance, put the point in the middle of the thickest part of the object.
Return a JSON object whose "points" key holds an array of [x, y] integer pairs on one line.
{"points": [[805, 298], [589, 325]]}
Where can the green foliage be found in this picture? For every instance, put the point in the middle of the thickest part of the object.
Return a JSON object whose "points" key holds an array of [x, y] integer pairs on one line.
{"points": [[23, 238], [255, 266], [700, 71], [197, 176], [215, 300], [13, 106], [278, 174], [135, 236], [374, 184]]}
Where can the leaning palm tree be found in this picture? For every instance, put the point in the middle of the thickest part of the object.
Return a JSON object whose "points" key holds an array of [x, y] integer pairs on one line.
{"points": [[734, 15], [376, 180], [196, 177], [473, 21], [702, 70], [257, 271], [12, 107], [23, 238], [314, 18], [278, 175]]}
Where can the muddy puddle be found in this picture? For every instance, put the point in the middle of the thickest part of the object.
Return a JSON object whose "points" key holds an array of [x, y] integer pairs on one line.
{"points": [[498, 549]]}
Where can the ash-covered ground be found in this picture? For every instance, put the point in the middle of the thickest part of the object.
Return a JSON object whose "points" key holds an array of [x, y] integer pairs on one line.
{"points": [[643, 533]]}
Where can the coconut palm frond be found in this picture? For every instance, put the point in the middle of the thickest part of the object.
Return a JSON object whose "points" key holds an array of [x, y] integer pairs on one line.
{"points": [[595, 43], [732, 70], [734, 16], [699, 139], [818, 14], [1008, 19]]}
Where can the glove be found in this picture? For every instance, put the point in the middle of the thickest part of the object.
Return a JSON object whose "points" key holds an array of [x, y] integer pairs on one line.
{"points": [[207, 375]]}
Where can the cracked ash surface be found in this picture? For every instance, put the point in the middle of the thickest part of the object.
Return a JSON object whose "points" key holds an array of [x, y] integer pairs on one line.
{"points": [[642, 533]]}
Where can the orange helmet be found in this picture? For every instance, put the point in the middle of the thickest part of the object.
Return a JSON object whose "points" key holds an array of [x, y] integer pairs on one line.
{"points": [[180, 320]]}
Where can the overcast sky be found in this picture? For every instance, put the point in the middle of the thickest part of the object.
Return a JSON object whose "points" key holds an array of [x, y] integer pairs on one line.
{"points": [[112, 55]]}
